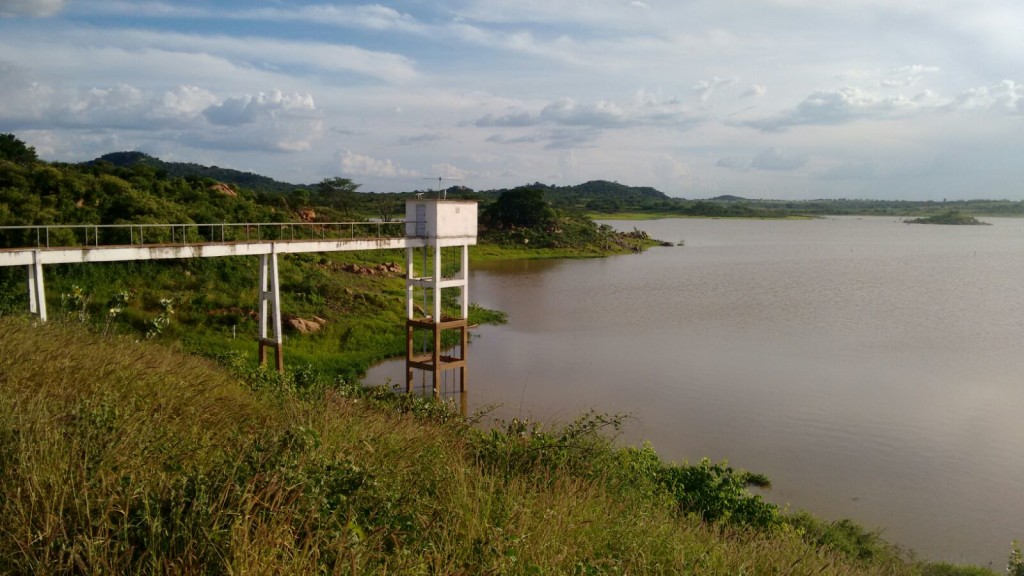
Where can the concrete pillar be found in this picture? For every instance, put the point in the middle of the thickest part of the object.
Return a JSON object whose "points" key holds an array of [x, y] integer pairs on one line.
{"points": [[437, 283], [270, 311], [36, 288]]}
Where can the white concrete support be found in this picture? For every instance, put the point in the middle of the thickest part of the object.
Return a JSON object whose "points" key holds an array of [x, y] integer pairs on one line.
{"points": [[436, 284], [270, 311], [410, 287], [36, 288], [464, 276]]}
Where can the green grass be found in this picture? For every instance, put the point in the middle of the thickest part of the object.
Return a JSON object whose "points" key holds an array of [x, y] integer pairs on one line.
{"points": [[495, 252], [123, 456], [490, 252], [214, 303], [950, 217]]}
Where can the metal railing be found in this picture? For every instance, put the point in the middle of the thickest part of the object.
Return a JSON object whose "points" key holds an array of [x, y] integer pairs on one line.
{"points": [[95, 235]]}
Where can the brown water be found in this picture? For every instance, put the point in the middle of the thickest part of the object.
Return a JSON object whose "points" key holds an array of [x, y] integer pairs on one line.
{"points": [[872, 369]]}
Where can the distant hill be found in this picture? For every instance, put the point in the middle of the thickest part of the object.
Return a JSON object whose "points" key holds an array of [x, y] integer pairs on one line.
{"points": [[247, 180], [605, 189], [601, 196], [728, 198]]}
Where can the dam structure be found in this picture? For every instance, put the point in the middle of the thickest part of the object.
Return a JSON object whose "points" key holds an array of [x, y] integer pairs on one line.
{"points": [[431, 225]]}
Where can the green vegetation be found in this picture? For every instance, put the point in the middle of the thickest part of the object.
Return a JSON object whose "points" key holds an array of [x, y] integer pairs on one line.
{"points": [[522, 223], [611, 200], [119, 453], [208, 305], [139, 459], [951, 217]]}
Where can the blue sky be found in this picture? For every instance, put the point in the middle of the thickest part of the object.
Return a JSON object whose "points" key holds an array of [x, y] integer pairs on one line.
{"points": [[790, 99]]}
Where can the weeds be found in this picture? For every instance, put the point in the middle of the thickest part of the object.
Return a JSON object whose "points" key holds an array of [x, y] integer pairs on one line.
{"points": [[142, 460]]}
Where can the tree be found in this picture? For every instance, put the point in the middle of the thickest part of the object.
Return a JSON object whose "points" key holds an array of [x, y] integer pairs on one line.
{"points": [[520, 208], [386, 207], [13, 149], [338, 193], [299, 198]]}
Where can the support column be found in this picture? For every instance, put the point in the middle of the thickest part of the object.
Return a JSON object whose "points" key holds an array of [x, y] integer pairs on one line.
{"points": [[438, 367], [435, 361], [36, 288], [435, 324], [410, 288], [437, 282], [270, 311], [464, 276]]}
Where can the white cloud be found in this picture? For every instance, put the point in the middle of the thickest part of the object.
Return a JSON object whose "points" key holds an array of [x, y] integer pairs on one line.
{"points": [[247, 109], [369, 16], [875, 170], [273, 121], [360, 165], [754, 91], [733, 162], [668, 168], [422, 138], [560, 49], [261, 53], [629, 90], [449, 174], [643, 109], [147, 9], [906, 76], [775, 159], [31, 8], [835, 107], [1006, 96], [185, 101], [707, 88]]}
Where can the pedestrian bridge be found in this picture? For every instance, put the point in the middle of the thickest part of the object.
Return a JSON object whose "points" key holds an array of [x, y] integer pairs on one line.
{"points": [[429, 224], [36, 246]]}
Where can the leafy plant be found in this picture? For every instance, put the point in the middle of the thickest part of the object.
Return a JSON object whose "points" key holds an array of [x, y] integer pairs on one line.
{"points": [[1015, 565], [74, 303]]}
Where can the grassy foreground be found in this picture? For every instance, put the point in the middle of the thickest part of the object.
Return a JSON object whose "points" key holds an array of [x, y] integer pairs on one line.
{"points": [[120, 456]]}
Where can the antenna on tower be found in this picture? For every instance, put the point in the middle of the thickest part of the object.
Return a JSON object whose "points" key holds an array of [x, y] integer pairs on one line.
{"points": [[443, 194]]}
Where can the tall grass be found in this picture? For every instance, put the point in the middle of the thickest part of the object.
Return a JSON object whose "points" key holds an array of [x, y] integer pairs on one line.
{"points": [[122, 456]]}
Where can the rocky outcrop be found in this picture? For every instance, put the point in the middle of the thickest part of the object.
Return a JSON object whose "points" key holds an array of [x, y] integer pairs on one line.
{"points": [[224, 189], [385, 269], [304, 325]]}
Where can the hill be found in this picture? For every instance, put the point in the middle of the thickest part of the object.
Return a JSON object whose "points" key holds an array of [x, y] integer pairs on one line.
{"points": [[248, 180]]}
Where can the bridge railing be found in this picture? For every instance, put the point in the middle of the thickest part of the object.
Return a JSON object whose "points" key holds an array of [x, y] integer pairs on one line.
{"points": [[84, 235]]}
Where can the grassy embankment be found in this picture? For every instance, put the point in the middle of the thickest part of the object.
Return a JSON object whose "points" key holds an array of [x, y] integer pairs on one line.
{"points": [[210, 305], [123, 456], [950, 218]]}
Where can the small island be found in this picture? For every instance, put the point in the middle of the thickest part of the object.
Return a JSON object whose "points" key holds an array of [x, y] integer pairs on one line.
{"points": [[951, 217]]}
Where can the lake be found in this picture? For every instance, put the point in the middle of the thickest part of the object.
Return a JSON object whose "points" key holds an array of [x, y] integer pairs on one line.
{"points": [[872, 369]]}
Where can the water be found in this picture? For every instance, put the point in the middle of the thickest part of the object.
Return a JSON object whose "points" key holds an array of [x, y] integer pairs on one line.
{"points": [[871, 369]]}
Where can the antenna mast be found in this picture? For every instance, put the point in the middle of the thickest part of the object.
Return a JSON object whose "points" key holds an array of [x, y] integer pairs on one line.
{"points": [[442, 194]]}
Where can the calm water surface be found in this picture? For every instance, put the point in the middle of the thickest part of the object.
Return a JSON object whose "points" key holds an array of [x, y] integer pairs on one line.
{"points": [[872, 369]]}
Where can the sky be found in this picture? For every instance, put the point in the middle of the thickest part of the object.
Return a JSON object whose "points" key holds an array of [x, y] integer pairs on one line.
{"points": [[785, 99]]}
